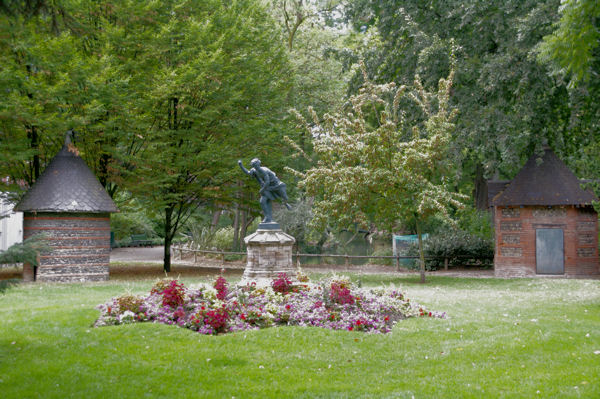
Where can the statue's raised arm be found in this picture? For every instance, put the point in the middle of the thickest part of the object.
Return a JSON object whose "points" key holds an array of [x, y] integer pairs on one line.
{"points": [[271, 187], [246, 171]]}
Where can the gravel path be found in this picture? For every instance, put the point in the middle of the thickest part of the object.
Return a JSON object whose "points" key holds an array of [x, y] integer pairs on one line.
{"points": [[155, 255]]}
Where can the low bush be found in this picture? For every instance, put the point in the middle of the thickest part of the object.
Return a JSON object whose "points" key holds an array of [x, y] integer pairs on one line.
{"points": [[127, 223], [383, 261], [204, 238], [27, 251], [460, 247]]}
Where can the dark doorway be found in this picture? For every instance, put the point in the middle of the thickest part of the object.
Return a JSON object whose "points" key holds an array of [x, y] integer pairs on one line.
{"points": [[549, 251]]}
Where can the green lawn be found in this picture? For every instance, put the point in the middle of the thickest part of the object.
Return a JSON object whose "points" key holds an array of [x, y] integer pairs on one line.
{"points": [[505, 338]]}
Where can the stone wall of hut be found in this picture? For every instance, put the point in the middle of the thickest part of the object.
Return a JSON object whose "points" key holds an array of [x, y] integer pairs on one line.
{"points": [[80, 245], [515, 229]]}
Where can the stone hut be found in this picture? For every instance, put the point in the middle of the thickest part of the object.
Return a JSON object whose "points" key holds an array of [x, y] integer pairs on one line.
{"points": [[71, 208], [544, 221]]}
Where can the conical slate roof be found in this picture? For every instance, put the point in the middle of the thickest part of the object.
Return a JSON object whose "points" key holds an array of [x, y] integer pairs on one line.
{"points": [[67, 185], [548, 183]]}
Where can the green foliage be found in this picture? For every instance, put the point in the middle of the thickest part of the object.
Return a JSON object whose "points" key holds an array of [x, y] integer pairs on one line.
{"points": [[295, 222], [477, 223], [124, 224], [383, 252], [223, 239], [376, 167], [508, 102], [56, 75], [367, 172], [200, 237], [27, 251], [203, 238], [572, 47], [206, 75], [459, 246]]}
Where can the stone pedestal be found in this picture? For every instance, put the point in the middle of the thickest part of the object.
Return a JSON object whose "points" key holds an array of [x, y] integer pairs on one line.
{"points": [[269, 253]]}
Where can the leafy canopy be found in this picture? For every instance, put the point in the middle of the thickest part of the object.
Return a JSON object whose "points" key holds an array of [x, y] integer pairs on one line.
{"points": [[570, 48], [374, 166]]}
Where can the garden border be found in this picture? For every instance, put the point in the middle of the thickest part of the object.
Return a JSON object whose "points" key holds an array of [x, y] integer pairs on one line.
{"points": [[181, 249]]}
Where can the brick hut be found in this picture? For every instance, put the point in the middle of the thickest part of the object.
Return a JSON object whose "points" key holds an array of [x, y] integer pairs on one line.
{"points": [[544, 221], [68, 204]]}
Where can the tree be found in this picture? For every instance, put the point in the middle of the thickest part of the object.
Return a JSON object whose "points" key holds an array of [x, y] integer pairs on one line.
{"points": [[293, 14], [570, 49], [29, 114], [57, 76], [208, 80], [375, 166], [509, 103]]}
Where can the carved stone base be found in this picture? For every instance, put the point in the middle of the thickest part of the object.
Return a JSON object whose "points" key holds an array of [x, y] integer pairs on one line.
{"points": [[269, 253]]}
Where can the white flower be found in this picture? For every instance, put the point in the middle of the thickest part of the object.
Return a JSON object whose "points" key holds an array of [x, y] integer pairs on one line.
{"points": [[127, 317], [272, 308], [210, 293]]}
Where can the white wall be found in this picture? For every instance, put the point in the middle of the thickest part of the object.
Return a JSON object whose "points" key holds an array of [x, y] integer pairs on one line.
{"points": [[11, 225]]}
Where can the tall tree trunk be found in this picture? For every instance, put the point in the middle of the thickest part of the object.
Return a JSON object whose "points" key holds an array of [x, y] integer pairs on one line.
{"points": [[168, 239], [480, 191], [421, 254], [243, 227], [236, 228], [215, 220], [34, 143]]}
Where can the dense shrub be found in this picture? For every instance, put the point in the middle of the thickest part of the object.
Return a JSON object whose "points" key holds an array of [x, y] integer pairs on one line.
{"points": [[27, 251], [383, 261], [125, 224], [460, 247], [223, 239], [204, 238], [478, 223]]}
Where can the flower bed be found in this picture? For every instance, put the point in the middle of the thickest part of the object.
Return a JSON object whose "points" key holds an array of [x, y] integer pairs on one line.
{"points": [[334, 303]]}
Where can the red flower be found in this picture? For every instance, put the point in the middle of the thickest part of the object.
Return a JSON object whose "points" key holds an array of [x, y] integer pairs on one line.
{"points": [[221, 287], [350, 328], [282, 284], [287, 307]]}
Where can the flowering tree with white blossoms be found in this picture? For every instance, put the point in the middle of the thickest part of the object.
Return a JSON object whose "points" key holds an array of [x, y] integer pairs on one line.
{"points": [[373, 166]]}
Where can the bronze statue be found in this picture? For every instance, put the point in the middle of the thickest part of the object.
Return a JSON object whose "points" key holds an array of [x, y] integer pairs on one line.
{"points": [[271, 187]]}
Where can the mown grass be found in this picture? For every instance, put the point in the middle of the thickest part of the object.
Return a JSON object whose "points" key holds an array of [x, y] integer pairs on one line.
{"points": [[504, 338]]}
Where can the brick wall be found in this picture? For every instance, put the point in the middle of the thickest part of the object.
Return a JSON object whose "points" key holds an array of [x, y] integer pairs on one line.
{"points": [[515, 230], [80, 245]]}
